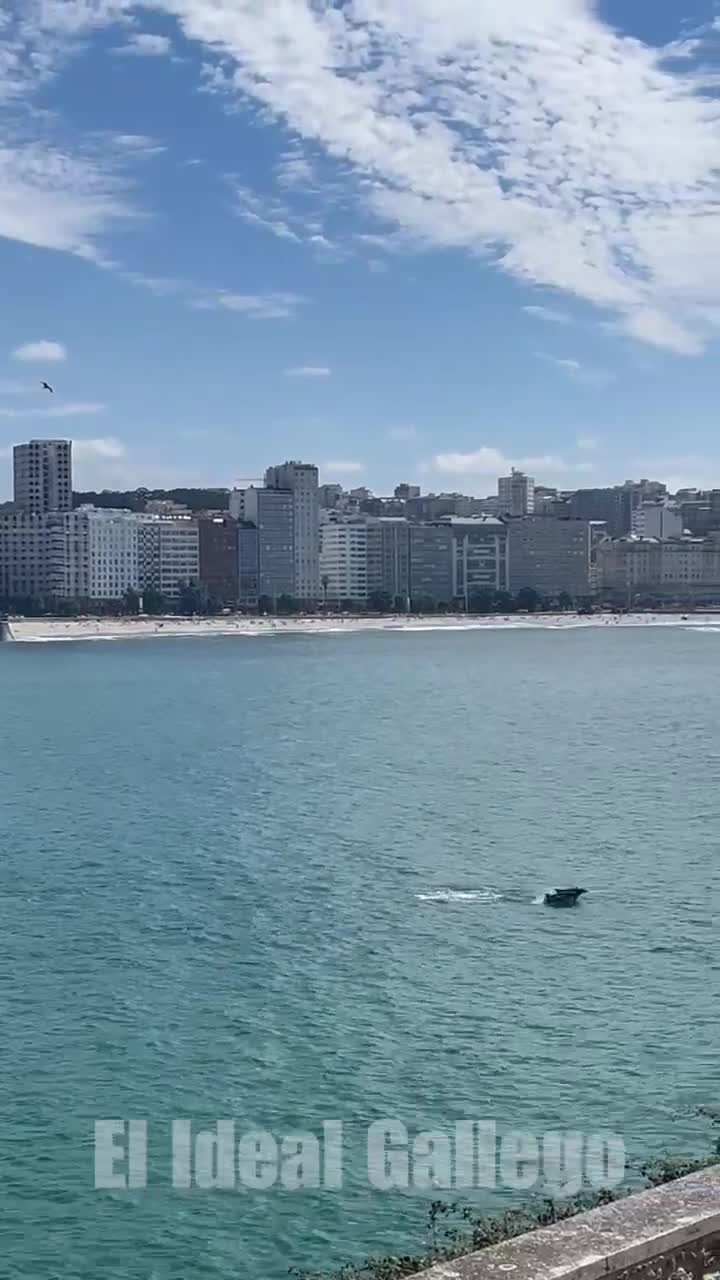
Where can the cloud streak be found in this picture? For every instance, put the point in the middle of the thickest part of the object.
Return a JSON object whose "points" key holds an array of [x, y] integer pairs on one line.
{"points": [[53, 198], [342, 468], [73, 409], [143, 45], [586, 375], [548, 313], [531, 133], [256, 306], [488, 461]]}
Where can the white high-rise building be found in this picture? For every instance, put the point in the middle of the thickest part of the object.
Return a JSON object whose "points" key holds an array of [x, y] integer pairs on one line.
{"points": [[657, 520], [43, 475], [236, 504], [301, 478], [516, 494], [92, 553], [344, 560]]}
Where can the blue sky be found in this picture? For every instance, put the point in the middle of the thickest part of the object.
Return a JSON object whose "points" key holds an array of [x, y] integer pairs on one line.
{"points": [[406, 239]]}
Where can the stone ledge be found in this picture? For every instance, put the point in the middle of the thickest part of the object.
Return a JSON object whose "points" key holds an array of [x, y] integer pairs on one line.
{"points": [[635, 1232]]}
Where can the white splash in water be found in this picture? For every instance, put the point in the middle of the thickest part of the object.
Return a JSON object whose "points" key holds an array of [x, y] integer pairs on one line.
{"points": [[457, 895]]}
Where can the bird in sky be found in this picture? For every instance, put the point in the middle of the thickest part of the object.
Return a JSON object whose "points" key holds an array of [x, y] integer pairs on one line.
{"points": [[46, 385]]}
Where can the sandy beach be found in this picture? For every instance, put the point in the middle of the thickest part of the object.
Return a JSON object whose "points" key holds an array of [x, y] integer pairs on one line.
{"points": [[43, 630]]}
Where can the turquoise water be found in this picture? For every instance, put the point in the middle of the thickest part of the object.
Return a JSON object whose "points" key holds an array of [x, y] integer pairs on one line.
{"points": [[229, 888]]}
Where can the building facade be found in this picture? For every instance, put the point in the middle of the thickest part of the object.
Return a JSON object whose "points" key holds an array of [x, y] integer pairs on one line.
{"points": [[388, 556], [179, 555], [248, 564], [92, 554], [657, 520], [23, 553], [684, 570], [329, 495], [431, 564], [550, 555], [516, 494], [272, 513], [42, 472], [112, 551], [344, 561], [168, 554], [480, 556], [218, 553], [615, 506], [301, 479]]}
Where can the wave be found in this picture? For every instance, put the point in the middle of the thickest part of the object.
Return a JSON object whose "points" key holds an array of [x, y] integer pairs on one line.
{"points": [[460, 895], [453, 627]]}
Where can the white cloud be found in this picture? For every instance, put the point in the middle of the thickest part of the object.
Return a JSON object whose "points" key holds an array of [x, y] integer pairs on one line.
{"points": [[488, 461], [137, 144], [549, 314], [144, 45], [73, 409], [56, 197], [57, 190], [99, 447], [267, 213], [485, 461], [161, 286], [530, 132], [572, 366], [42, 352], [294, 168], [584, 374], [660, 330], [309, 371], [343, 468], [295, 222], [256, 306]]}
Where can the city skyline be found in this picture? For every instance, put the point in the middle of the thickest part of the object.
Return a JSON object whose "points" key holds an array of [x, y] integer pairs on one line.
{"points": [[292, 544], [230, 234], [488, 488]]}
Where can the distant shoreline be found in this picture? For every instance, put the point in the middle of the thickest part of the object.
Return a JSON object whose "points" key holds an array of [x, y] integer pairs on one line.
{"points": [[44, 630]]}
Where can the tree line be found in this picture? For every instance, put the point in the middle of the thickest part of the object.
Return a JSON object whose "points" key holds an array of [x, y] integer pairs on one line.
{"points": [[137, 499], [196, 599]]}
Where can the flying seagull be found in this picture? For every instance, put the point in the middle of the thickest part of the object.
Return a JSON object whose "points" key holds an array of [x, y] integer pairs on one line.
{"points": [[46, 385]]}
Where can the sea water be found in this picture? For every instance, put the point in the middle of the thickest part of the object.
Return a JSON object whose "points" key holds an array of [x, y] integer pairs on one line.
{"points": [[295, 879]]}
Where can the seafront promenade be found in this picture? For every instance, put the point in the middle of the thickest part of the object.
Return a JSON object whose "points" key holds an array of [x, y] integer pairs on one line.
{"points": [[671, 1231]]}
